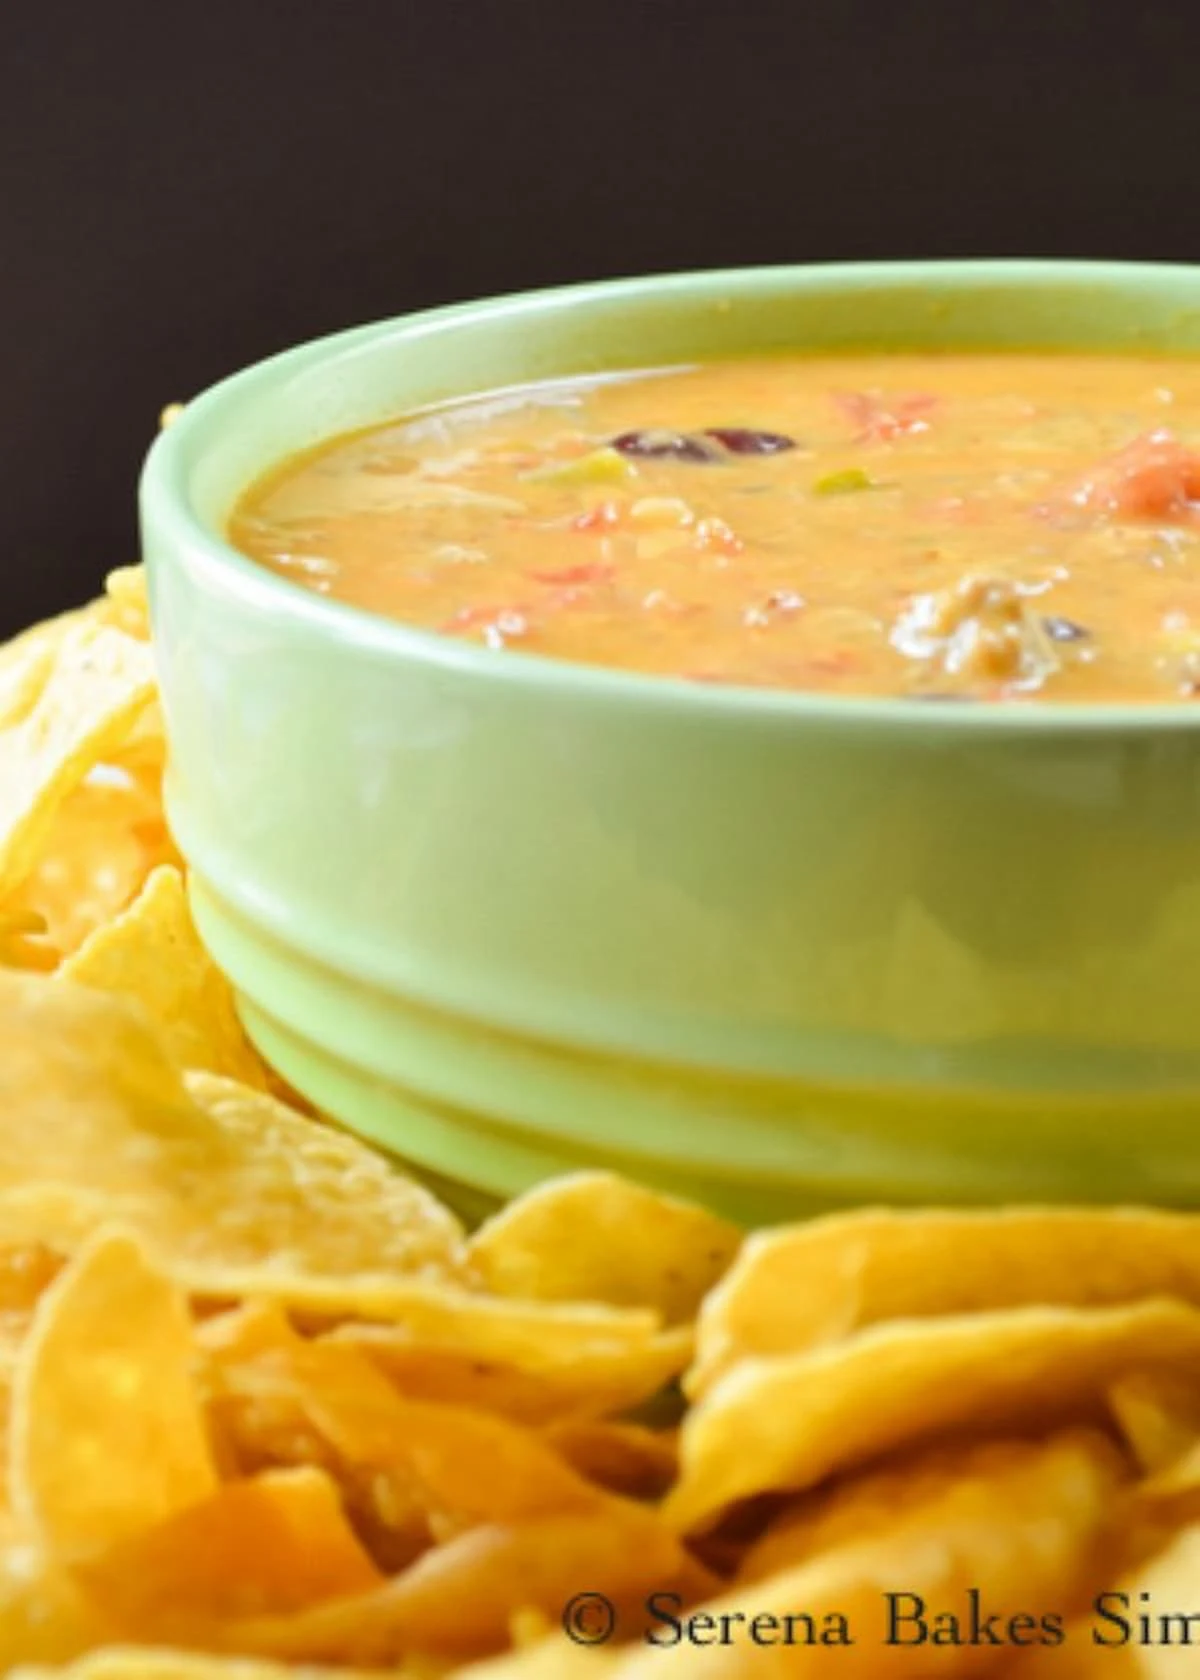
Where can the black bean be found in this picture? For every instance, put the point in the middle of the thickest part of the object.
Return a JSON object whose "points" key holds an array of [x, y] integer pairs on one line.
{"points": [[1065, 630], [740, 440], [665, 446]]}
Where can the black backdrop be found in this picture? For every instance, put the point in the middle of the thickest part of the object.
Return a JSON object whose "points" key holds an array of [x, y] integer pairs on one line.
{"points": [[185, 188]]}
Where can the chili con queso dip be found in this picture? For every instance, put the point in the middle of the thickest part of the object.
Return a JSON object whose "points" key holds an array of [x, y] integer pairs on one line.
{"points": [[981, 526]]}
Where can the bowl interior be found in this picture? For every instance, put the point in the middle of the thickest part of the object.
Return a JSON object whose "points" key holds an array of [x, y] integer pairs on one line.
{"points": [[229, 436]]}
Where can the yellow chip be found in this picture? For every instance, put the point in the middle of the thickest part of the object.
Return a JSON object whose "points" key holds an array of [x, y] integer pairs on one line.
{"points": [[1179, 1477], [153, 954], [1089, 1662], [98, 1128], [1158, 1414], [1113, 1643], [626, 1458], [872, 1503], [271, 1544], [350, 1209], [596, 1237], [107, 1430], [806, 1286], [258, 1415], [1172, 1582], [557, 1658], [27, 660], [789, 1422], [460, 1598], [467, 1465], [125, 594], [99, 682], [45, 1617], [471, 1466], [105, 839], [244, 1332], [25, 1273], [25, 942], [530, 1335], [144, 751], [257, 1424], [602, 1375], [1020, 1523], [136, 1662]]}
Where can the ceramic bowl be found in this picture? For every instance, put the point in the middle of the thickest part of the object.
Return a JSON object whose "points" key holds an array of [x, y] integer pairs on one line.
{"points": [[509, 916]]}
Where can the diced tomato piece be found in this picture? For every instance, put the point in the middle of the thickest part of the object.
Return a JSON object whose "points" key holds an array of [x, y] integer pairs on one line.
{"points": [[877, 422], [1154, 477], [593, 571]]}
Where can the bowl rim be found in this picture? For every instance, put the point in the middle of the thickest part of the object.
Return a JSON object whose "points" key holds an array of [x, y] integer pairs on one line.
{"points": [[165, 502]]}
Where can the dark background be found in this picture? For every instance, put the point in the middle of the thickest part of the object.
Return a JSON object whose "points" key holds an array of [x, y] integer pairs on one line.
{"points": [[186, 188]]}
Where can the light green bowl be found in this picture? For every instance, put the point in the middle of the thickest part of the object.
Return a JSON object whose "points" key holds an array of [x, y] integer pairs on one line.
{"points": [[509, 916]]}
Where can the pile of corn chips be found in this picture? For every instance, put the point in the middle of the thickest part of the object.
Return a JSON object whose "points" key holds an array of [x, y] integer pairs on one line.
{"points": [[266, 1409]]}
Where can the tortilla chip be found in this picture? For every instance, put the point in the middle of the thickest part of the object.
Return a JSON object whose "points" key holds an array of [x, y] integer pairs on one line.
{"points": [[787, 1423], [868, 1504], [1180, 1477], [556, 1658], [134, 1662], [257, 1424], [1020, 1523], [602, 1376], [99, 682], [107, 1433], [107, 836], [153, 954], [25, 1273], [458, 1600], [244, 1332], [99, 1129], [625, 1458], [278, 1397], [1158, 1414], [25, 941], [465, 1466], [807, 1286], [1164, 1589], [125, 597], [1172, 1582], [45, 1617], [470, 1466], [27, 660], [261, 1421], [272, 1544], [595, 1237], [529, 1334]]}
